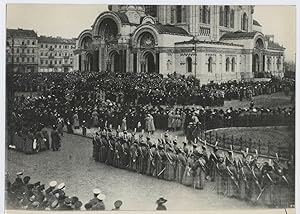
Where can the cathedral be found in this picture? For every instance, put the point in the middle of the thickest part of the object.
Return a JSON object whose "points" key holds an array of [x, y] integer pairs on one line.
{"points": [[214, 43]]}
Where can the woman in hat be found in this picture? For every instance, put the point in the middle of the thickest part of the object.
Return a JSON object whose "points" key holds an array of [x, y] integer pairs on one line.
{"points": [[149, 124], [187, 178], [180, 166]]}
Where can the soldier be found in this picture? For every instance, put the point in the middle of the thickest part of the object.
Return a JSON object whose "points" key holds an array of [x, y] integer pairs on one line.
{"points": [[151, 160], [96, 147], [133, 156], [199, 170], [170, 163], [159, 162], [232, 179]]}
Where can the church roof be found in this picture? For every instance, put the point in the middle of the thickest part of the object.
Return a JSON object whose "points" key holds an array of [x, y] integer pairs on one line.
{"points": [[239, 35], [21, 33], [170, 29], [122, 17], [59, 40], [207, 42], [255, 22]]}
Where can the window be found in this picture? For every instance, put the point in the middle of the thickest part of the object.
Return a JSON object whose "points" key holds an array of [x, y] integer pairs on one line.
{"points": [[205, 14], [221, 17], [28, 50], [42, 46], [32, 50], [226, 18], [28, 42], [23, 59], [233, 65], [60, 62], [33, 43], [41, 53], [71, 61], [46, 46], [42, 61], [32, 59], [55, 62], [17, 50], [66, 47], [59, 46], [189, 64], [23, 43], [172, 14], [55, 46], [232, 18], [17, 59], [210, 61], [227, 64], [244, 22], [179, 14], [59, 54]]}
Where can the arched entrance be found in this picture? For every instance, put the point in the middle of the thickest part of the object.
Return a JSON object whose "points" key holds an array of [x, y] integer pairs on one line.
{"points": [[115, 62], [149, 63]]}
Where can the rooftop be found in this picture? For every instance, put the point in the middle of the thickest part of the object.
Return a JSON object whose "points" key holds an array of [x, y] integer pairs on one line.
{"points": [[238, 35], [207, 42], [50, 39], [170, 29], [20, 33], [255, 22]]}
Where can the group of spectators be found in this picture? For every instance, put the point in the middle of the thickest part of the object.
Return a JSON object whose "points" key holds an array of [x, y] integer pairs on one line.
{"points": [[143, 88], [244, 176], [23, 194]]}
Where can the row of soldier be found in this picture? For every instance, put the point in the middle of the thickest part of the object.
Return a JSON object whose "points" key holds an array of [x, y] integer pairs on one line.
{"points": [[239, 177]]}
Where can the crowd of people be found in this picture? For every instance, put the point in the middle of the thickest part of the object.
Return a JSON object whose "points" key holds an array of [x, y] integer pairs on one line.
{"points": [[143, 88], [23, 194], [269, 183]]}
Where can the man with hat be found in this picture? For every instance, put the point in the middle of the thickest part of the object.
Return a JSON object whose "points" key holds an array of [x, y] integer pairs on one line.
{"points": [[160, 204], [94, 200], [99, 204]]}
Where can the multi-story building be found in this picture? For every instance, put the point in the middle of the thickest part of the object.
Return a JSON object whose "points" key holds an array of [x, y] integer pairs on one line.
{"points": [[28, 52], [22, 50], [55, 54], [212, 42]]}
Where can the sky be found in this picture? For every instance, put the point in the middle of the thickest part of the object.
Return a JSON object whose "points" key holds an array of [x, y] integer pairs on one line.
{"points": [[69, 20]]}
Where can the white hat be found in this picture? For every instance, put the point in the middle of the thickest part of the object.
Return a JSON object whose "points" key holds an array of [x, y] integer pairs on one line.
{"points": [[96, 191], [52, 183], [101, 197], [19, 173], [61, 186]]}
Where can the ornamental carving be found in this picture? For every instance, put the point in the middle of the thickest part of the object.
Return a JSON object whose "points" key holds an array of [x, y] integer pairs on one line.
{"points": [[147, 40]]}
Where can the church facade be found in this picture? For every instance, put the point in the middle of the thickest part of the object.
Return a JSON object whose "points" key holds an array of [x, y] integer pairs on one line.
{"points": [[212, 43]]}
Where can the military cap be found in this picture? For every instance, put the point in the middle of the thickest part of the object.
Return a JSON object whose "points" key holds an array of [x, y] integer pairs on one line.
{"points": [[88, 206], [68, 200], [96, 191], [19, 173], [101, 197], [53, 184], [61, 186], [74, 199]]}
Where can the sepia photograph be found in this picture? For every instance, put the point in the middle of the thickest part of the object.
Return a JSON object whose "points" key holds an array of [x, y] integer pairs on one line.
{"points": [[150, 107]]}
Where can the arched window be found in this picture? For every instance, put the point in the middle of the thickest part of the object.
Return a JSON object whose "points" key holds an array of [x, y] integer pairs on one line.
{"points": [[244, 22], [227, 64], [208, 15], [189, 64], [233, 64], [205, 14], [232, 18], [210, 61], [173, 14], [179, 14], [227, 13], [221, 16]]}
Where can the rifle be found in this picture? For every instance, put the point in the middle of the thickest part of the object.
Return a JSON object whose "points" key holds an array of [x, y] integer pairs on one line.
{"points": [[231, 175], [169, 158], [161, 171], [256, 180], [245, 178]]}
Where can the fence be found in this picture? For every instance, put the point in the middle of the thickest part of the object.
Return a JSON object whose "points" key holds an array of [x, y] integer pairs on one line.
{"points": [[267, 149]]}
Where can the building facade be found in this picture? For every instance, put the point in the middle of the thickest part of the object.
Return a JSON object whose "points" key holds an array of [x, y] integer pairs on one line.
{"points": [[213, 43], [55, 54], [28, 52], [22, 50]]}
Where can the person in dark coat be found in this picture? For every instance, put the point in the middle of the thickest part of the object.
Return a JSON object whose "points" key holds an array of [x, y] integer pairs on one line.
{"points": [[55, 144], [160, 204]]}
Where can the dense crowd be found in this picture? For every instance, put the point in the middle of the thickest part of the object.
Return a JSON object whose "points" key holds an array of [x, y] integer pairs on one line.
{"points": [[246, 177], [144, 88]]}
